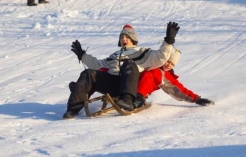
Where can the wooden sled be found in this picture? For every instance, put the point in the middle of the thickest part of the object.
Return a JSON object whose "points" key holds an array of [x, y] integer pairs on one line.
{"points": [[107, 99]]}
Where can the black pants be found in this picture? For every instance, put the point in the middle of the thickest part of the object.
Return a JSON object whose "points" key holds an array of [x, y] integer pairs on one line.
{"points": [[103, 82]]}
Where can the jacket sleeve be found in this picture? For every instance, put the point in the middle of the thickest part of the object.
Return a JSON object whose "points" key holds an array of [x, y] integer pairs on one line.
{"points": [[176, 90], [93, 63], [149, 81], [156, 58]]}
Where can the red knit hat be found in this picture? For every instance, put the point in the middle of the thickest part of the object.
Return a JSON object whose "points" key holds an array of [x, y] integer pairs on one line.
{"points": [[129, 31]]}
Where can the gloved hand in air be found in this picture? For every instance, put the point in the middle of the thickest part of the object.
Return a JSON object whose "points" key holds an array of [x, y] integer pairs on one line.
{"points": [[171, 32], [77, 49]]}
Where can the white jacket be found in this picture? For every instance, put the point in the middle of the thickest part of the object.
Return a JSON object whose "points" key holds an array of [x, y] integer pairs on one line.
{"points": [[146, 59]]}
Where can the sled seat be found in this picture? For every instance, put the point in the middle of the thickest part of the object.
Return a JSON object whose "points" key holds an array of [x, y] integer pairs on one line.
{"points": [[107, 99]]}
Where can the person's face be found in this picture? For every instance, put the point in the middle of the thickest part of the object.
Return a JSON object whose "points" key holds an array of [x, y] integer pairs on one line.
{"points": [[168, 66], [125, 41]]}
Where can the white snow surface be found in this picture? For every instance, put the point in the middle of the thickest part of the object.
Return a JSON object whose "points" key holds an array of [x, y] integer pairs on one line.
{"points": [[36, 66]]}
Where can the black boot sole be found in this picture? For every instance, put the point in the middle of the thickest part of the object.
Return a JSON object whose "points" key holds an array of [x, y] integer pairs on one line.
{"points": [[31, 4], [70, 115], [123, 105], [45, 2]]}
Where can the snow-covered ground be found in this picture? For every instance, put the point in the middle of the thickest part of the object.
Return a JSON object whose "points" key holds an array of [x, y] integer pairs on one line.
{"points": [[36, 65]]}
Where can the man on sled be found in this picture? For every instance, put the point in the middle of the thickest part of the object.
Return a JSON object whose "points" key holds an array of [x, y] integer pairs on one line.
{"points": [[122, 69]]}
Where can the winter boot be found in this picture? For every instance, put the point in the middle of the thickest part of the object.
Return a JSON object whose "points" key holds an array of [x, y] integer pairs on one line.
{"points": [[69, 114], [43, 1], [125, 102], [31, 3], [73, 110], [139, 101], [72, 86]]}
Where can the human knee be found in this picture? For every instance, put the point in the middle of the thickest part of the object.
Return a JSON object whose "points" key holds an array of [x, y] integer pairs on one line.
{"points": [[88, 72], [129, 66]]}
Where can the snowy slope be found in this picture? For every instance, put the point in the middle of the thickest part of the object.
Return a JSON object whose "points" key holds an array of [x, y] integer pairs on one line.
{"points": [[36, 65]]}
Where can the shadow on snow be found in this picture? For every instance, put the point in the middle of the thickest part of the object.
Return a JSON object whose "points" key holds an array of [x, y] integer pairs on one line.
{"points": [[215, 151], [51, 112], [236, 1]]}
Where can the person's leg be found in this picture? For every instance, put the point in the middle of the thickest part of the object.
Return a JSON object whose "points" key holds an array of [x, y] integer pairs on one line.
{"points": [[128, 85], [89, 82], [107, 83], [78, 95], [72, 87], [129, 78]]}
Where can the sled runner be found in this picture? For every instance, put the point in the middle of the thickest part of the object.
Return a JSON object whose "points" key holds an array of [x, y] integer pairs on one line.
{"points": [[107, 99]]}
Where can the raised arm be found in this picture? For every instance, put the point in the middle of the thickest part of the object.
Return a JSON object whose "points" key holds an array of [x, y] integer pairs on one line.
{"points": [[156, 58]]}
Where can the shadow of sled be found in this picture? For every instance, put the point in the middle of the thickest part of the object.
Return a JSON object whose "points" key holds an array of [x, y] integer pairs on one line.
{"points": [[32, 110], [107, 99]]}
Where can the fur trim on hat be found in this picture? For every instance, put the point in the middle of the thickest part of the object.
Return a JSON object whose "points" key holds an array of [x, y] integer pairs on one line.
{"points": [[129, 31]]}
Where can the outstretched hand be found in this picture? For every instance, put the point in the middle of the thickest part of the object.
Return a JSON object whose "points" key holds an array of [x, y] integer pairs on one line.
{"points": [[204, 101], [77, 49], [171, 32]]}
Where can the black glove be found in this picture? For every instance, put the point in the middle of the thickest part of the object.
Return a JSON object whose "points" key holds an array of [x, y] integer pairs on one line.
{"points": [[172, 30], [204, 101], [77, 49]]}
